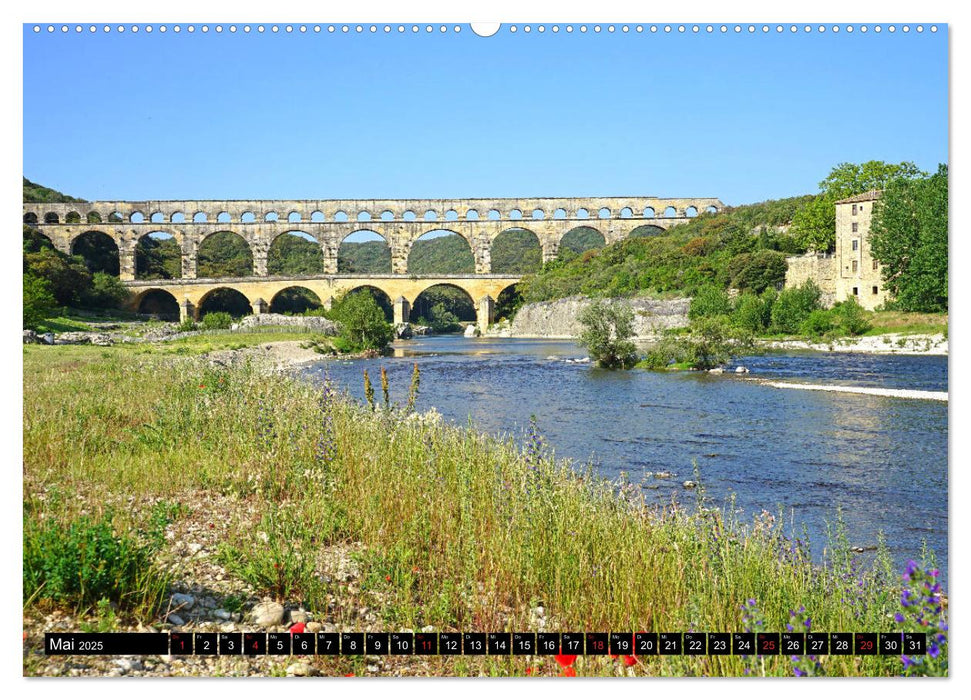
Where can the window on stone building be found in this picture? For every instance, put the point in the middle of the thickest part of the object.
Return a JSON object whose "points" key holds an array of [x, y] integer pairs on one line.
{"points": [[854, 210], [855, 227], [856, 244], [855, 266], [875, 264], [856, 291], [875, 290]]}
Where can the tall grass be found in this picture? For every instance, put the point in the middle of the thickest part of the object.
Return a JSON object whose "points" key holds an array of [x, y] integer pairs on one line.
{"points": [[460, 530]]}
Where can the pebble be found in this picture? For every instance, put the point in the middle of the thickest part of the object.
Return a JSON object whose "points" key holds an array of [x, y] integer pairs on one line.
{"points": [[194, 548], [299, 616], [299, 669], [663, 475], [741, 370], [267, 614], [314, 627], [183, 601], [176, 620], [223, 614], [690, 484]]}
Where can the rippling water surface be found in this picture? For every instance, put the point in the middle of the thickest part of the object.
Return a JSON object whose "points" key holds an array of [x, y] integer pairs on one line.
{"points": [[883, 460]]}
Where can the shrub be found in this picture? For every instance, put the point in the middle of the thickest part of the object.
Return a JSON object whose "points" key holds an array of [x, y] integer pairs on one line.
{"points": [[363, 325], [84, 562], [708, 302], [793, 306], [711, 343], [752, 313], [818, 323], [217, 320], [39, 303], [850, 317], [608, 327], [669, 351], [106, 292]]}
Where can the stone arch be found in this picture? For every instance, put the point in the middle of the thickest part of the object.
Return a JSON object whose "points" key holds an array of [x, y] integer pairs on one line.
{"points": [[227, 299], [691, 211], [582, 213], [224, 254], [579, 240], [177, 217], [158, 302], [515, 214], [559, 213], [649, 213], [93, 217], [409, 215], [51, 217], [158, 255], [387, 215], [294, 253], [516, 251], [430, 215], [318, 217], [294, 300], [200, 217], [223, 217], [670, 212], [157, 218], [271, 216], [441, 251], [626, 213], [294, 217], [472, 215], [494, 215], [603, 213], [364, 216], [247, 217], [116, 217], [72, 217], [443, 307], [35, 241], [451, 215], [645, 231], [380, 296], [711, 209], [30, 218], [99, 250], [136, 217], [340, 215], [508, 301], [364, 252], [539, 214]]}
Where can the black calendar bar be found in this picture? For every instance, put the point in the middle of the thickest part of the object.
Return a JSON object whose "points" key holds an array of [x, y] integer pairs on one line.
{"points": [[481, 643]]}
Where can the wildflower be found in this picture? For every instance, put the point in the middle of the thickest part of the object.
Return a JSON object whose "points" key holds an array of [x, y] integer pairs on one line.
{"points": [[298, 628], [529, 670], [898, 617], [387, 578], [202, 386], [629, 660], [933, 650], [565, 660], [569, 672]]}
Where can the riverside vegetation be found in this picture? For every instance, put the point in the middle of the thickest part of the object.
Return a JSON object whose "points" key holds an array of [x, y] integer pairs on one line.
{"points": [[450, 528]]}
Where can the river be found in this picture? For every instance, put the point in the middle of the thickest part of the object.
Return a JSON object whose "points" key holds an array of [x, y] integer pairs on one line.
{"points": [[883, 460]]}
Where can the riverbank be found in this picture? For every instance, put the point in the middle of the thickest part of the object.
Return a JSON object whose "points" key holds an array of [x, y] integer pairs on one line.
{"points": [[884, 344], [276, 503]]}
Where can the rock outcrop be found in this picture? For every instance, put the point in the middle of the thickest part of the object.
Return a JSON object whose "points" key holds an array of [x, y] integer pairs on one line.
{"points": [[560, 318]]}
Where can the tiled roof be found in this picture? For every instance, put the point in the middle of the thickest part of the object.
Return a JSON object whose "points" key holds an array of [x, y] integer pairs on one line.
{"points": [[865, 197]]}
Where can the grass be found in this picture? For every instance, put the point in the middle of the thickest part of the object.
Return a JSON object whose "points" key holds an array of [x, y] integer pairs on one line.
{"points": [[459, 531], [909, 323]]}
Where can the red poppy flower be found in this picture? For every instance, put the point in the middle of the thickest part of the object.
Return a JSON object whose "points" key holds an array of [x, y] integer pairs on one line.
{"points": [[565, 660], [298, 628], [569, 672], [348, 675], [630, 660], [202, 386], [388, 577], [529, 671], [613, 656]]}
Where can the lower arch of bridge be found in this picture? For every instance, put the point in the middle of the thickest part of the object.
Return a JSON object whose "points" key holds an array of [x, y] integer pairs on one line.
{"points": [[516, 251], [364, 252], [380, 296], [294, 300], [442, 306], [158, 256], [227, 299], [158, 302], [99, 251], [450, 256], [224, 254], [580, 239], [294, 253], [508, 301], [646, 231]]}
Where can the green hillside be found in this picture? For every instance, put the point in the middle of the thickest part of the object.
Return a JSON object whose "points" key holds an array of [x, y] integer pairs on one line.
{"points": [[38, 193], [742, 247]]}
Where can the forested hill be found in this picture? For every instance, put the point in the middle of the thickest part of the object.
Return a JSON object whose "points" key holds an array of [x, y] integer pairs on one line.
{"points": [[38, 193], [742, 247]]}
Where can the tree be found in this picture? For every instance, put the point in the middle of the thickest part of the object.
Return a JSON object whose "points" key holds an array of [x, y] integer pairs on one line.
{"points": [[908, 236], [814, 225], [66, 276], [757, 271], [39, 303], [793, 306], [105, 292], [363, 325], [608, 327], [708, 302]]}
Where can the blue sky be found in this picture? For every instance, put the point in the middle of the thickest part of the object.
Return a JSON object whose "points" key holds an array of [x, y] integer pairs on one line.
{"points": [[736, 116]]}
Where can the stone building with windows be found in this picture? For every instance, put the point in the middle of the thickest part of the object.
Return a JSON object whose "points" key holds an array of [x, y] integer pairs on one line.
{"points": [[849, 271]]}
